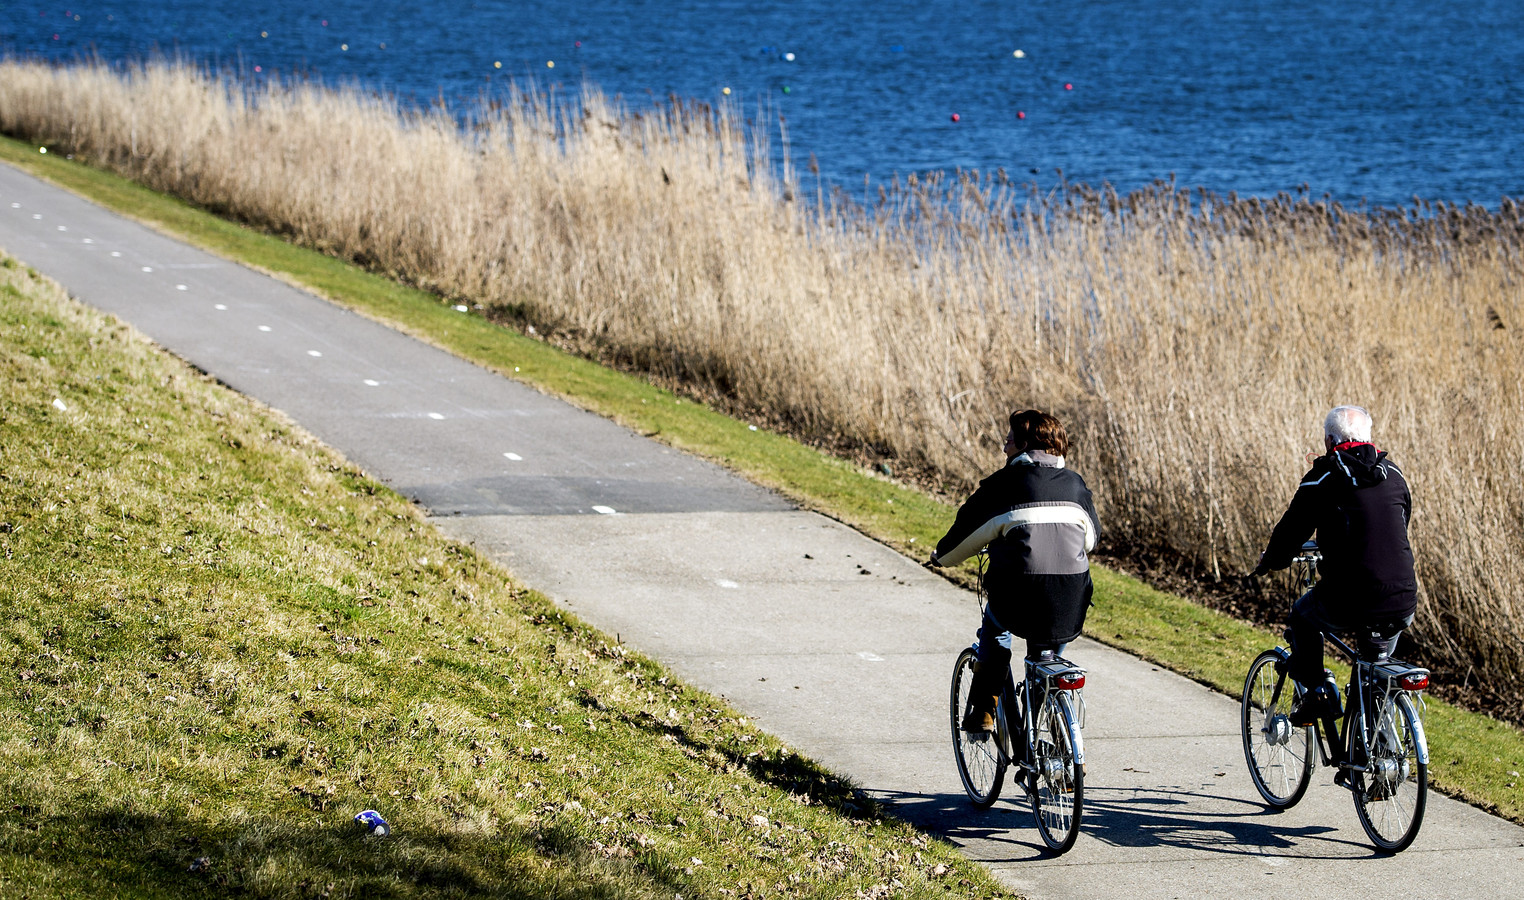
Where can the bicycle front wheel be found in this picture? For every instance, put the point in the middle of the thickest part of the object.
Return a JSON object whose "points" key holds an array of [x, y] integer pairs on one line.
{"points": [[1058, 779], [1390, 794], [981, 764], [1279, 755]]}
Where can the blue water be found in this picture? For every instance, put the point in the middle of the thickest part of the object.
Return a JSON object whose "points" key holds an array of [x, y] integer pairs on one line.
{"points": [[1366, 101]]}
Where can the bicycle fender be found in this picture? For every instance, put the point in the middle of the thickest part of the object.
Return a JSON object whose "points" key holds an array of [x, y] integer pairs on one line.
{"points": [[1079, 739], [1419, 737]]}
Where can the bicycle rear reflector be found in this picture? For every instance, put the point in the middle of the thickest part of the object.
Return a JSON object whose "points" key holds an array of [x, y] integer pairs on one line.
{"points": [[1073, 681], [1414, 681]]}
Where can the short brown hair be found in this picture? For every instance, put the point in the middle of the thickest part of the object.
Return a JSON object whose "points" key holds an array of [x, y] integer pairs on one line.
{"points": [[1036, 430]]}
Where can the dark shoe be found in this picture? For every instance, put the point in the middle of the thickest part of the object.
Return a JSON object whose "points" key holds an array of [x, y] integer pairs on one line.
{"points": [[980, 717], [1310, 707]]}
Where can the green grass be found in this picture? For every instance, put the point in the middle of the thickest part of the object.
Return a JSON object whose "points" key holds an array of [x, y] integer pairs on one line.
{"points": [[220, 641], [1473, 753]]}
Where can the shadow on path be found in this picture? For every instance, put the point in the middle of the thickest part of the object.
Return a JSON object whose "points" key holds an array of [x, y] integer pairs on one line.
{"points": [[1189, 822]]}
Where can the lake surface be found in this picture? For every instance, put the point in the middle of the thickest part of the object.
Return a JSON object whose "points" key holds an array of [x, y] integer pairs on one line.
{"points": [[1366, 101]]}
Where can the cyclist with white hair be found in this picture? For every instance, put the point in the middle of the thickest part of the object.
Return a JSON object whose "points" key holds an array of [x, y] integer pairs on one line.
{"points": [[1357, 501]]}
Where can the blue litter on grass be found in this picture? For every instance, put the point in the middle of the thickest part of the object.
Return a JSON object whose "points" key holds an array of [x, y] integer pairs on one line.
{"points": [[372, 822]]}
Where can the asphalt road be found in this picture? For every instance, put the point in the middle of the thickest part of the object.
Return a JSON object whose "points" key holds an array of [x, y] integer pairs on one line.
{"points": [[830, 640]]}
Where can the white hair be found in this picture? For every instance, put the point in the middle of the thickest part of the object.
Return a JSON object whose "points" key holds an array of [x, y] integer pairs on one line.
{"points": [[1348, 423]]}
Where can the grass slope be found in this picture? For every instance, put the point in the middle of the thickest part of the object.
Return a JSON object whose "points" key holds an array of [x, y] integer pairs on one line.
{"points": [[1474, 754], [219, 641]]}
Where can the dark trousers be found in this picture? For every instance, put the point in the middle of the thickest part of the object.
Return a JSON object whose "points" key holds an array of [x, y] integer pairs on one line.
{"points": [[1311, 616]]}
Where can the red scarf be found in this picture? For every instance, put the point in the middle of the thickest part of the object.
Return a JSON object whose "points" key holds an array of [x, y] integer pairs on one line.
{"points": [[1348, 445]]}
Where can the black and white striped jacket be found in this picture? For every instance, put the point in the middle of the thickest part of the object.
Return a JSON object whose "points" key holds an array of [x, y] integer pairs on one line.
{"points": [[1039, 522]]}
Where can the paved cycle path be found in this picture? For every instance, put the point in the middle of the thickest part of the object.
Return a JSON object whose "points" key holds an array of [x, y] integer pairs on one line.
{"points": [[830, 640]]}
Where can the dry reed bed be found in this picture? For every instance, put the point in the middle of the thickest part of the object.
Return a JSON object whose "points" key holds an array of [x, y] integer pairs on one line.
{"points": [[1192, 341]]}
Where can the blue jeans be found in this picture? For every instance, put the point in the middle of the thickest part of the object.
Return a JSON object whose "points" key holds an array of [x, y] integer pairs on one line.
{"points": [[995, 650]]}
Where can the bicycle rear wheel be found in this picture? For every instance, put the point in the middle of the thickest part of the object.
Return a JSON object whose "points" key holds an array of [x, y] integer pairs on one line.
{"points": [[1279, 755], [981, 764], [1390, 795], [1058, 781]]}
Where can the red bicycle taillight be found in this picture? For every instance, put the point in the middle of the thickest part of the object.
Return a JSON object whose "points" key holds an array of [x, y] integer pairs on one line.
{"points": [[1414, 682], [1070, 682]]}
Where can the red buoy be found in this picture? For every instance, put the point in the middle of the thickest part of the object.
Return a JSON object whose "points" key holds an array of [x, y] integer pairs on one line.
{"points": [[1021, 115], [1068, 87], [955, 117]]}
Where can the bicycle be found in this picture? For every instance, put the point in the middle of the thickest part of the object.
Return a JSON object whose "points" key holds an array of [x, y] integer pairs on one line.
{"points": [[1050, 756], [1380, 751]]}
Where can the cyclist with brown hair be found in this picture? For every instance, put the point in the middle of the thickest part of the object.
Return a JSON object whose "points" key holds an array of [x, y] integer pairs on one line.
{"points": [[1038, 520]]}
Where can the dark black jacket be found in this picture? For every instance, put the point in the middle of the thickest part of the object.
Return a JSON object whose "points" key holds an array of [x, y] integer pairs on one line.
{"points": [[1358, 502], [1039, 522]]}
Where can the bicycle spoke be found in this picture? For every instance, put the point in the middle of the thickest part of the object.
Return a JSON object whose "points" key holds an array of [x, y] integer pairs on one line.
{"points": [[1392, 793], [981, 764], [1279, 757], [1058, 780]]}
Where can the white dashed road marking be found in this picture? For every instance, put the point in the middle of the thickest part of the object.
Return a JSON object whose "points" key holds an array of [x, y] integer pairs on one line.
{"points": [[182, 287], [435, 416], [314, 353], [116, 253], [722, 582], [220, 306], [89, 240], [264, 328], [514, 456], [148, 268], [372, 382]]}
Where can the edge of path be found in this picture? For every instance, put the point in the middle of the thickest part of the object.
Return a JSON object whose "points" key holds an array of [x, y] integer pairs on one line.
{"points": [[1473, 753]]}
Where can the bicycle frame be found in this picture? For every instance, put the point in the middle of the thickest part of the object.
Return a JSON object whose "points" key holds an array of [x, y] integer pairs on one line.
{"points": [[1375, 742], [1031, 693], [1336, 735]]}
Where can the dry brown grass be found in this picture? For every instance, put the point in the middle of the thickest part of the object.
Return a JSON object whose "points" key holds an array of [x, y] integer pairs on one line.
{"points": [[1193, 342]]}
